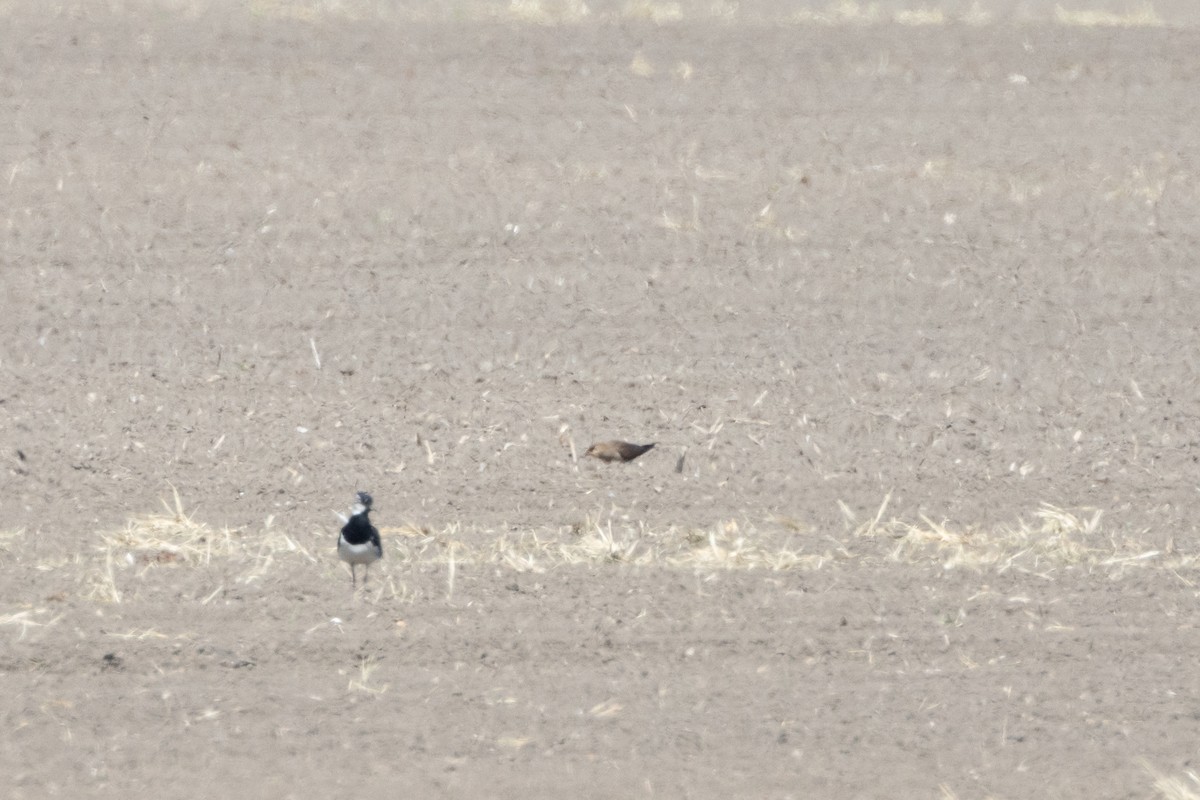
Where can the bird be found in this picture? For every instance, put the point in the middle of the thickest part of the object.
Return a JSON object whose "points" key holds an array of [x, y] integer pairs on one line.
{"points": [[358, 543], [617, 450]]}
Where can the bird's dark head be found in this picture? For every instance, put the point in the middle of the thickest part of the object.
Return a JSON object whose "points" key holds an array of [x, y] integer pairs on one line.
{"points": [[365, 501]]}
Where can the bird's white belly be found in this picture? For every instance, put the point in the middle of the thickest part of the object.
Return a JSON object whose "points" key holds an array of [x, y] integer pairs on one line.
{"points": [[364, 553]]}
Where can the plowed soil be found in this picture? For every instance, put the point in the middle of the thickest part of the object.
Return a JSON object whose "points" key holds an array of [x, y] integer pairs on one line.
{"points": [[855, 277]]}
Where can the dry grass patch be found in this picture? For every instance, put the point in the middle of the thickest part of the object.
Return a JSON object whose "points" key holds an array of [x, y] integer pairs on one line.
{"points": [[1172, 788], [1050, 539], [30, 618], [1058, 540], [653, 12], [1053, 539], [841, 13], [364, 679], [1144, 16], [920, 16], [174, 539], [724, 546], [548, 12]]}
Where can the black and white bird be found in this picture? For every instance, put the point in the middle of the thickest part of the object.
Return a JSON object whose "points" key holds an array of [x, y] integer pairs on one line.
{"points": [[358, 543]]}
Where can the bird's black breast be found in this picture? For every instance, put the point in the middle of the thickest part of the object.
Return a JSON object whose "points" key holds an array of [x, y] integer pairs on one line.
{"points": [[359, 530]]}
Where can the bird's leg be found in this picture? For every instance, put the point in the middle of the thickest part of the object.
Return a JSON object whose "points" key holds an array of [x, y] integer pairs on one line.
{"points": [[353, 576]]}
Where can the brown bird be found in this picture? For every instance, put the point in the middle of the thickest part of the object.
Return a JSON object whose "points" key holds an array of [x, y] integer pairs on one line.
{"points": [[617, 451]]}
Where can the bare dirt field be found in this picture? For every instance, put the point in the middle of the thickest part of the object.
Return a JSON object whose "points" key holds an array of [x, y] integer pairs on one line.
{"points": [[907, 298]]}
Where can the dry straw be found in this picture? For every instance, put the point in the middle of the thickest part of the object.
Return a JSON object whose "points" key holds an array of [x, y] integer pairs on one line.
{"points": [[363, 682], [1049, 540], [1053, 539], [724, 546], [28, 619], [1171, 788], [174, 539]]}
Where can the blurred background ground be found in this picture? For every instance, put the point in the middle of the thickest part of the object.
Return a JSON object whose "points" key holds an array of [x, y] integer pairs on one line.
{"points": [[825, 255]]}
